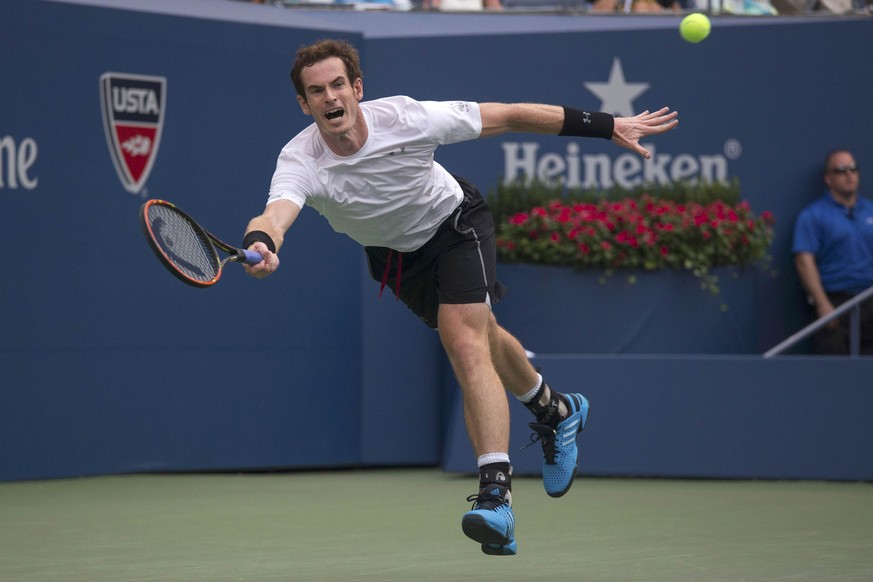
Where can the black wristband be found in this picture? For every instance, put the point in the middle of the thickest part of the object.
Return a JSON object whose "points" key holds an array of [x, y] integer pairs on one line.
{"points": [[259, 236], [587, 123]]}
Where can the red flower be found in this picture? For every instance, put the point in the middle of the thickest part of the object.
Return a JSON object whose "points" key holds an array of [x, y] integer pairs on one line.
{"points": [[518, 218], [648, 233]]}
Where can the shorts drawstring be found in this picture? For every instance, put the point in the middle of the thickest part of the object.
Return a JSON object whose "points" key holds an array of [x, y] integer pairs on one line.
{"points": [[454, 217], [397, 278]]}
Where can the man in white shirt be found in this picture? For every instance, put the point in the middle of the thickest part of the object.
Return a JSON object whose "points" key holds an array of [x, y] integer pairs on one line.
{"points": [[368, 167]]}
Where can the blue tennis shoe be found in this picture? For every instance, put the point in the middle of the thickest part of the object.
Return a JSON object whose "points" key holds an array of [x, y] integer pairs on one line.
{"points": [[559, 446], [491, 522]]}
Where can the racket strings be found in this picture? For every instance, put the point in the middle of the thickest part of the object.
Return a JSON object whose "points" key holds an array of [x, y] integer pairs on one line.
{"points": [[184, 245]]}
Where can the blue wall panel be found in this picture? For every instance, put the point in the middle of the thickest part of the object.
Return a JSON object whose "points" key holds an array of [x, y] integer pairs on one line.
{"points": [[69, 411], [107, 364], [704, 417]]}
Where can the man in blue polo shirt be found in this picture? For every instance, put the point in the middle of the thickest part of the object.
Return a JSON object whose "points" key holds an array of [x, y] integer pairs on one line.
{"points": [[833, 253]]}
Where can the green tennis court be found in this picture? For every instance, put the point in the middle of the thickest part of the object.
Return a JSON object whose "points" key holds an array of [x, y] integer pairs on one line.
{"points": [[404, 524]]}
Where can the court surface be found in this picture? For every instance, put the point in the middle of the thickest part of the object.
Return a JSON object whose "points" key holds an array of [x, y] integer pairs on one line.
{"points": [[404, 524]]}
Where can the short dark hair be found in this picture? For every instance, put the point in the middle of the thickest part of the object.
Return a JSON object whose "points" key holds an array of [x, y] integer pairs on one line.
{"points": [[831, 154], [308, 55]]}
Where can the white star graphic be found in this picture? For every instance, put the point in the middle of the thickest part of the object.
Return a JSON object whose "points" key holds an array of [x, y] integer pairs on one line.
{"points": [[617, 95]]}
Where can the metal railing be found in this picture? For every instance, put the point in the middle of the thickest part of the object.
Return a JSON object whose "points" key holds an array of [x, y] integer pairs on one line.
{"points": [[853, 305]]}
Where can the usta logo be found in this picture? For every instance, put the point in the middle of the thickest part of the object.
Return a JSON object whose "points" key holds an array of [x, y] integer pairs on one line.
{"points": [[127, 100], [133, 117]]}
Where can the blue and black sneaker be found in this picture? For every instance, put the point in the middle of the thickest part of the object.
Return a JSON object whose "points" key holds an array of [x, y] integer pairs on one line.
{"points": [[559, 446], [491, 522]]}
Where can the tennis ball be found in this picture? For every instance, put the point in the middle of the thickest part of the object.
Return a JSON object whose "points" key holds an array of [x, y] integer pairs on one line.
{"points": [[694, 27]]}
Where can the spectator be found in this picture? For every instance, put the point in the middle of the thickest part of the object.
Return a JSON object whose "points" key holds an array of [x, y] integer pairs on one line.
{"points": [[833, 246]]}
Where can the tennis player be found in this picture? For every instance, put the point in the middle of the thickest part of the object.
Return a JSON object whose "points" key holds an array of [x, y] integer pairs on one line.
{"points": [[369, 169]]}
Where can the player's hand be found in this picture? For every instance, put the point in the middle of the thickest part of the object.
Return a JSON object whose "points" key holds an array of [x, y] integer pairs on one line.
{"points": [[266, 267], [628, 131]]}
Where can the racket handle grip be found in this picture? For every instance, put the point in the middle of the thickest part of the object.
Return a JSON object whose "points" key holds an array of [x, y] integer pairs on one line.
{"points": [[251, 257]]}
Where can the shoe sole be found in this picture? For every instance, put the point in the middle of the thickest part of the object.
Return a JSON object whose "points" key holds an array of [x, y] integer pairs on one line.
{"points": [[493, 543], [496, 550], [556, 494], [477, 529]]}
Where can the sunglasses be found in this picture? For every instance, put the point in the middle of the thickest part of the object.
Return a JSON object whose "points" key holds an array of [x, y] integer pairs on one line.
{"points": [[844, 169]]}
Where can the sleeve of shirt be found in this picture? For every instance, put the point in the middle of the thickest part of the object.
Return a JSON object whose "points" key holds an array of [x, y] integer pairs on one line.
{"points": [[452, 121], [806, 238], [291, 181]]}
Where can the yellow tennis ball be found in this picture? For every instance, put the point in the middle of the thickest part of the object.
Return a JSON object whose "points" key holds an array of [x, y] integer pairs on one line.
{"points": [[695, 27]]}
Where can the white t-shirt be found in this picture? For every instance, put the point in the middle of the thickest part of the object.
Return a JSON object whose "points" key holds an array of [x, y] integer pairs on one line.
{"points": [[391, 193]]}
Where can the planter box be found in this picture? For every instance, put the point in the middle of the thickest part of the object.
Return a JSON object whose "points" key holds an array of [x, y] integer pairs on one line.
{"points": [[559, 310]]}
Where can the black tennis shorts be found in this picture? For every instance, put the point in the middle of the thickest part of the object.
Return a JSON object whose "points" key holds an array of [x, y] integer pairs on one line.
{"points": [[457, 265]]}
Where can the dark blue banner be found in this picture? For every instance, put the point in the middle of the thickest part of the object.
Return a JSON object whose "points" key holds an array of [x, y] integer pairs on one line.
{"points": [[109, 364]]}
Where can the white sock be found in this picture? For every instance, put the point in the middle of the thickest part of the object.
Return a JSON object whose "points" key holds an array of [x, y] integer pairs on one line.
{"points": [[489, 458], [528, 396]]}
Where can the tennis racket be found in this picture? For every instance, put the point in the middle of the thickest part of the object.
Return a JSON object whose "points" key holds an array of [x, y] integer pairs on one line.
{"points": [[185, 248]]}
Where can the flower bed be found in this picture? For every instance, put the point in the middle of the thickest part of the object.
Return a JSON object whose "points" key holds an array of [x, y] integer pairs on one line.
{"points": [[685, 227]]}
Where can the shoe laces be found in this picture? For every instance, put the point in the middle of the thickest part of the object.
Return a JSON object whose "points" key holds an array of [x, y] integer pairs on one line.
{"points": [[490, 496], [544, 434]]}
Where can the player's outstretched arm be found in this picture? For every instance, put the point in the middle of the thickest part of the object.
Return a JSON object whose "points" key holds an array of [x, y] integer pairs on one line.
{"points": [[266, 233], [499, 118]]}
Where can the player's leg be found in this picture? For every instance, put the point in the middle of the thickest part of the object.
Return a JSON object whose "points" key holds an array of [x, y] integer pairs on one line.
{"points": [[559, 417], [463, 330], [467, 286]]}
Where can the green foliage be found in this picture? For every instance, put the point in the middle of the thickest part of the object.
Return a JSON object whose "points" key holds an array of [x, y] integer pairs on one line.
{"points": [[521, 195], [677, 226]]}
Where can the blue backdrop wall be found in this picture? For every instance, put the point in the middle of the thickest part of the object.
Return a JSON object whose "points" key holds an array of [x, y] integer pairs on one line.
{"points": [[107, 364]]}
